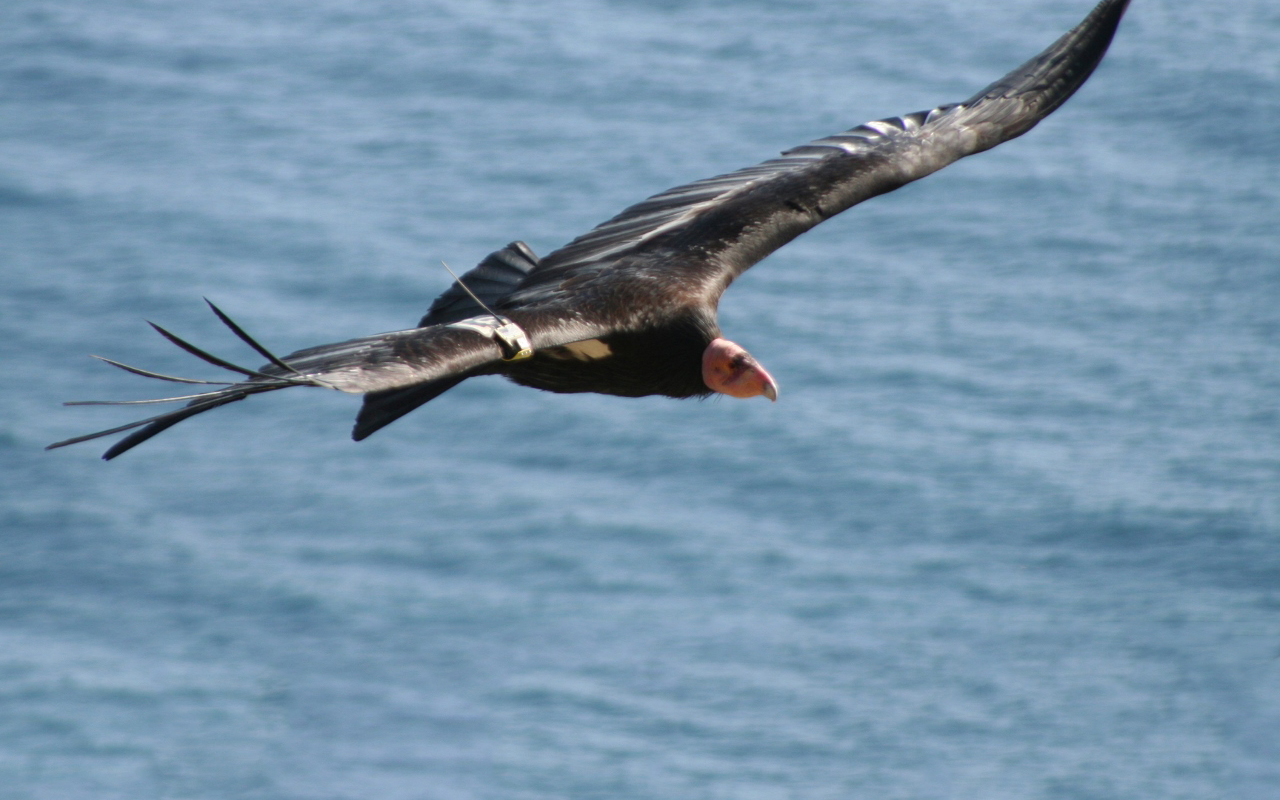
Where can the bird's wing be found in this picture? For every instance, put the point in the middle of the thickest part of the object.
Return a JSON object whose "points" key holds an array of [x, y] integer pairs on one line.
{"points": [[491, 280], [712, 230], [439, 356]]}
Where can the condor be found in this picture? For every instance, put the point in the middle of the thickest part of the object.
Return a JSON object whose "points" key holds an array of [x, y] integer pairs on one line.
{"points": [[629, 308]]}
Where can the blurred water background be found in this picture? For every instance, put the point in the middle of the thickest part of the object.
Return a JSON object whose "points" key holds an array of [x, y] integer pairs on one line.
{"points": [[1013, 530]]}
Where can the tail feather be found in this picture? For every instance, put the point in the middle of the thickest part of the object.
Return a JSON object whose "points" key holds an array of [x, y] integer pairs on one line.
{"points": [[380, 409]]}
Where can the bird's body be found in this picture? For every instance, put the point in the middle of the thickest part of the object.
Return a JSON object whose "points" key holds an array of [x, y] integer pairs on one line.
{"points": [[629, 308]]}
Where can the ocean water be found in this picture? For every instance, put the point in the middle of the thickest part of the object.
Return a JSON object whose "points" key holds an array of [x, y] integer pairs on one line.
{"points": [[1012, 531]]}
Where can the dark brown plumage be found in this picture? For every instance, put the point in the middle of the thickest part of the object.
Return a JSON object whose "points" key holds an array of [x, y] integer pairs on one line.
{"points": [[629, 308]]}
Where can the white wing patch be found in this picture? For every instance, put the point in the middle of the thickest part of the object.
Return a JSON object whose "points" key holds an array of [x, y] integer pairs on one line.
{"points": [[585, 350]]}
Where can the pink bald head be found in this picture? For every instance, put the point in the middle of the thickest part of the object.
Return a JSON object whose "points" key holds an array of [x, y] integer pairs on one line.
{"points": [[729, 369]]}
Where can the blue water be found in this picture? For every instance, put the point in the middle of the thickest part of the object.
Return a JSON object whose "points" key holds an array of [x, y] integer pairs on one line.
{"points": [[1013, 530]]}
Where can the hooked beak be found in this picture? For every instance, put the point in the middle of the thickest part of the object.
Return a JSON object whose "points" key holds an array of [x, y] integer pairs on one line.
{"points": [[770, 389], [729, 369]]}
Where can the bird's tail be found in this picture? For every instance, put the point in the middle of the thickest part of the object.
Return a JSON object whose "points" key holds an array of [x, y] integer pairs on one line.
{"points": [[308, 370]]}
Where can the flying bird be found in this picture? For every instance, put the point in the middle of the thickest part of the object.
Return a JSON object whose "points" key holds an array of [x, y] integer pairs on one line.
{"points": [[629, 308]]}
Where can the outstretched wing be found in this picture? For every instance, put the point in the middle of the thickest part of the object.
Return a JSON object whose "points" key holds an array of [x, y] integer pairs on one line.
{"points": [[435, 356], [714, 229], [490, 281]]}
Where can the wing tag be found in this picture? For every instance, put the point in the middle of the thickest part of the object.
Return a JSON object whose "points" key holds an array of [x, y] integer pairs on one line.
{"points": [[511, 338]]}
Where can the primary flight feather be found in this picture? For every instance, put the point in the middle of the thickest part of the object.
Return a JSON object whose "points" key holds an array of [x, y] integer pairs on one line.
{"points": [[629, 308]]}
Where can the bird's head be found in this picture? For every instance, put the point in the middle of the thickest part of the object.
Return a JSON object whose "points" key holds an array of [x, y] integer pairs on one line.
{"points": [[729, 369]]}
